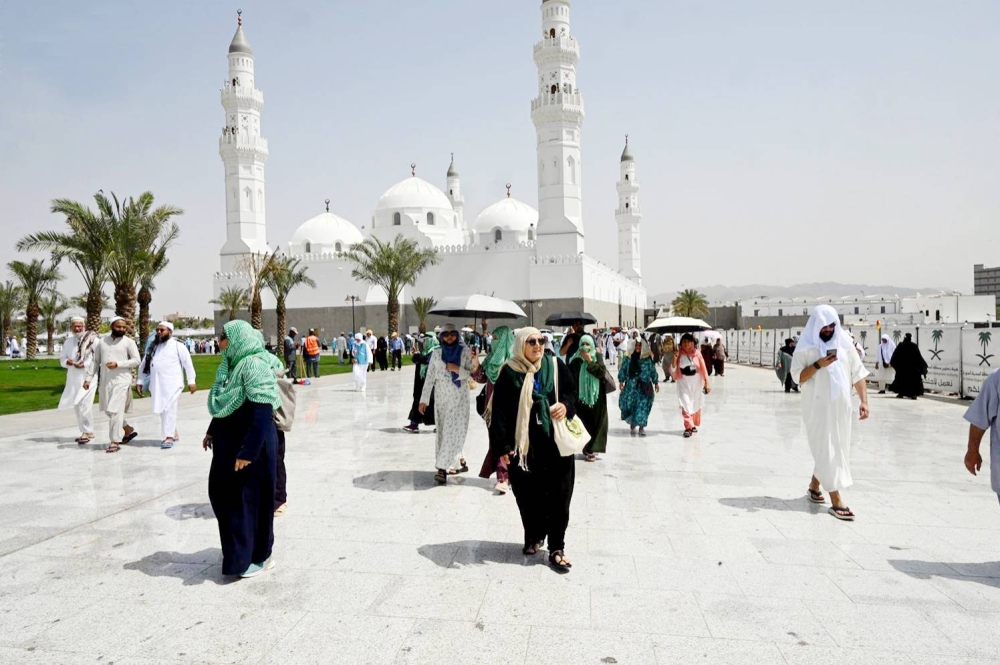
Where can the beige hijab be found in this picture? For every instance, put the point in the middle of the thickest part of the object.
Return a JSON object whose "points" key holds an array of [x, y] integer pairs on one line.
{"points": [[522, 365]]}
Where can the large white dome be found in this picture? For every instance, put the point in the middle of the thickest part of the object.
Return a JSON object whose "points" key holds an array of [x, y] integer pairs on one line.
{"points": [[323, 232], [507, 214], [413, 192]]}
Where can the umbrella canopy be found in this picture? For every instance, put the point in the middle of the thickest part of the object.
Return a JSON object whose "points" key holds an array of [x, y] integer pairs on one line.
{"points": [[568, 318], [677, 324], [485, 307], [467, 329], [710, 334]]}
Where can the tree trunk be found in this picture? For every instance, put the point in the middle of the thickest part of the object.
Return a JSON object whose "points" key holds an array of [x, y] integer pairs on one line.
{"points": [[256, 312], [279, 312], [31, 331], [392, 314], [423, 325], [94, 299], [5, 324], [125, 307], [50, 331], [144, 298]]}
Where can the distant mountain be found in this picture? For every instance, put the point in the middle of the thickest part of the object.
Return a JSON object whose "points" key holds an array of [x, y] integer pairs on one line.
{"points": [[721, 293]]}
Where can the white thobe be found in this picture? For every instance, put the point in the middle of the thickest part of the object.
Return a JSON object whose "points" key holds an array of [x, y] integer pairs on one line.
{"points": [[116, 384], [170, 364], [74, 396], [885, 374], [828, 417]]}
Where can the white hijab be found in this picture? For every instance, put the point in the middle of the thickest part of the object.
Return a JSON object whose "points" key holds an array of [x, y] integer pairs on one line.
{"points": [[886, 349], [821, 317]]}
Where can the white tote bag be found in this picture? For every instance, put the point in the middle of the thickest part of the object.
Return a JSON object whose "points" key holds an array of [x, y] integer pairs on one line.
{"points": [[570, 434]]}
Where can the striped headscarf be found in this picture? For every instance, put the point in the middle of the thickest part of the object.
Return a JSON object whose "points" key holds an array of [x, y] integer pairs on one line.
{"points": [[246, 372], [503, 349], [430, 343], [589, 385]]}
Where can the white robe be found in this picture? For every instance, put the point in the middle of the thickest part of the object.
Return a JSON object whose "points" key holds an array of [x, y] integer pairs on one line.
{"points": [[884, 374], [827, 417], [116, 384], [74, 393], [171, 362]]}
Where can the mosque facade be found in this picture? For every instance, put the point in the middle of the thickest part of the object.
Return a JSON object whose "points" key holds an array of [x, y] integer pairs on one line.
{"points": [[536, 258]]}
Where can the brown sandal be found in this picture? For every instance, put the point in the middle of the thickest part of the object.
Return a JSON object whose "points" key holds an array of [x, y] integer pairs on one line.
{"points": [[112, 448]]}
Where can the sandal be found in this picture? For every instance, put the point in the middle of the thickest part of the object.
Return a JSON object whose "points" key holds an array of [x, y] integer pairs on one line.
{"points": [[441, 477], [112, 448], [590, 457], [463, 466], [167, 444], [530, 550], [816, 496], [842, 513], [83, 440], [558, 562], [129, 437], [687, 434]]}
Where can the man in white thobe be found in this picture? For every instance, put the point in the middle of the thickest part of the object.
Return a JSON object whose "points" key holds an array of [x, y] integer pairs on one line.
{"points": [[116, 355], [78, 359], [167, 363], [826, 365], [342, 355]]}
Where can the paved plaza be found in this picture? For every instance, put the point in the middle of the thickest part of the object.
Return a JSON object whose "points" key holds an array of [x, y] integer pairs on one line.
{"points": [[697, 550]]}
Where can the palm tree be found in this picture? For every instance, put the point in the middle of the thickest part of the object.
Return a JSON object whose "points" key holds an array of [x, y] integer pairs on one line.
{"points": [[390, 266], [897, 335], [232, 299], [135, 232], [51, 306], [985, 338], [285, 275], [37, 280], [256, 268], [936, 335], [11, 301], [154, 265], [690, 303], [85, 245], [422, 307], [82, 299]]}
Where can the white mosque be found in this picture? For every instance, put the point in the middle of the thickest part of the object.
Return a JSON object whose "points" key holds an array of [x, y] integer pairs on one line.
{"points": [[536, 258]]}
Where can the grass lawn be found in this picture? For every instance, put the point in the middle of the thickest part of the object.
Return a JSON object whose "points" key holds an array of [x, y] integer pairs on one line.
{"points": [[38, 384]]}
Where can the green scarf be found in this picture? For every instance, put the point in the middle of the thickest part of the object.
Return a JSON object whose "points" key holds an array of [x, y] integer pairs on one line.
{"points": [[503, 349], [430, 344], [246, 372], [590, 385]]}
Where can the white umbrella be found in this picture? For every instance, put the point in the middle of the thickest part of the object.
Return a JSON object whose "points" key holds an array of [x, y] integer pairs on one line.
{"points": [[467, 329], [710, 334], [478, 306], [677, 324]]}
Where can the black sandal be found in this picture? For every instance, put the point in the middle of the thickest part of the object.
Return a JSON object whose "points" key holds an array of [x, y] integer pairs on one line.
{"points": [[560, 566], [464, 468], [842, 513], [816, 496], [128, 437], [531, 550], [112, 448], [441, 477], [688, 433]]}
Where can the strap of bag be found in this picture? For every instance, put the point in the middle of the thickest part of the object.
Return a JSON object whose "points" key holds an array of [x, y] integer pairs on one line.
{"points": [[555, 369]]}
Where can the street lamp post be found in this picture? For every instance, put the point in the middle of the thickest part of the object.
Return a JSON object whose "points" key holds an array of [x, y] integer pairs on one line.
{"points": [[352, 300]]}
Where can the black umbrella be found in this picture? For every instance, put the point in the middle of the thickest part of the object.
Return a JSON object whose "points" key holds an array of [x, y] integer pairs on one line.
{"points": [[569, 318], [479, 306]]}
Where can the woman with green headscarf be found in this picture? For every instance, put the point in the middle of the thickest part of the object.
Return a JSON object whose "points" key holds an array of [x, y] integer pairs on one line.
{"points": [[488, 373], [420, 362], [587, 367], [243, 440]]}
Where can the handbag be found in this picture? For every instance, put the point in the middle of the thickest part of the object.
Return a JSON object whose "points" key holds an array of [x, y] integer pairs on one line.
{"points": [[284, 416], [610, 385], [570, 434], [646, 388]]}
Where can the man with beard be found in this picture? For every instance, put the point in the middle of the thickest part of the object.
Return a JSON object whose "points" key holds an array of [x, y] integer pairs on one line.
{"points": [[116, 355], [166, 363], [911, 368], [827, 365], [78, 358]]}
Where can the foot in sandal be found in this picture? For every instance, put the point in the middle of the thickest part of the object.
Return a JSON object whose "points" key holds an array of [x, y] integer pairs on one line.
{"points": [[842, 513]]}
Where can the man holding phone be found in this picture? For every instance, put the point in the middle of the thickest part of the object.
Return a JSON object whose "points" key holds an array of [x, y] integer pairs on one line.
{"points": [[826, 367]]}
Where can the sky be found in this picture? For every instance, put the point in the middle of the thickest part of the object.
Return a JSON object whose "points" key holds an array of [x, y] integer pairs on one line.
{"points": [[776, 142]]}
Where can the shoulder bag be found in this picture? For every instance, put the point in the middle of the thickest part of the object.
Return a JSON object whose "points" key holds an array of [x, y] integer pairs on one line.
{"points": [[570, 434]]}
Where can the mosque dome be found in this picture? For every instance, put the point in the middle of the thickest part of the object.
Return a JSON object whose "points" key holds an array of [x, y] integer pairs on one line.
{"points": [[413, 192], [325, 232], [507, 214], [240, 43]]}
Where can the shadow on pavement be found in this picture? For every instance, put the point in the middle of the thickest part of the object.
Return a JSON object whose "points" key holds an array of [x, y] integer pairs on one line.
{"points": [[753, 504], [987, 573], [414, 481], [462, 553], [164, 564], [188, 511]]}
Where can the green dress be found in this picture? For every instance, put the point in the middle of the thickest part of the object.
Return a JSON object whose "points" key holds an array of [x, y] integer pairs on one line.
{"points": [[595, 418], [633, 402]]}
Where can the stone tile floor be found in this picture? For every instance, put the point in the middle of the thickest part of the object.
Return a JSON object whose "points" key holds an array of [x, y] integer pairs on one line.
{"points": [[685, 550]]}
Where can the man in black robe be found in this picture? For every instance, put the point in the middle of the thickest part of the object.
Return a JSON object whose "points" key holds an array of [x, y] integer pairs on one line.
{"points": [[911, 368]]}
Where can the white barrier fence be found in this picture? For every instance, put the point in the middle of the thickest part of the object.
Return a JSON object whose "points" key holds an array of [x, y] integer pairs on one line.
{"points": [[959, 357]]}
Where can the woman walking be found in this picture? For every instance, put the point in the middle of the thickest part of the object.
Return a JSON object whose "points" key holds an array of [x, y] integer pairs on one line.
{"points": [[525, 403], [669, 351], [243, 441], [420, 362], [692, 383], [361, 358], [488, 373], [637, 381], [587, 367], [448, 377]]}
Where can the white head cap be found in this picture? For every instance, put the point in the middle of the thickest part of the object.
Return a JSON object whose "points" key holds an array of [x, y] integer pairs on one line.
{"points": [[166, 324], [78, 319]]}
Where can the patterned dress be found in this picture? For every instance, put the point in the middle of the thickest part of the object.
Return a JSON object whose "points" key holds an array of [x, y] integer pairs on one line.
{"points": [[451, 406], [633, 402]]}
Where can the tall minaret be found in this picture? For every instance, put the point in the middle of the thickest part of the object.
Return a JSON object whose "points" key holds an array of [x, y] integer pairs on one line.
{"points": [[455, 192], [628, 215], [243, 153], [558, 115]]}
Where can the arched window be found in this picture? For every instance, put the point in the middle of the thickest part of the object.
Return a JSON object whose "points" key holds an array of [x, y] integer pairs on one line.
{"points": [[248, 197], [531, 234], [497, 235], [626, 176], [397, 219], [430, 219], [626, 205], [571, 167], [552, 33], [554, 89], [937, 315], [309, 247], [338, 248]]}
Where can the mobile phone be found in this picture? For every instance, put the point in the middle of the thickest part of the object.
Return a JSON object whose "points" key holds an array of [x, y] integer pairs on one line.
{"points": [[831, 352]]}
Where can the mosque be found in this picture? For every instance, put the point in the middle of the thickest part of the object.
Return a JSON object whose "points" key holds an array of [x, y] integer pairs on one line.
{"points": [[510, 250]]}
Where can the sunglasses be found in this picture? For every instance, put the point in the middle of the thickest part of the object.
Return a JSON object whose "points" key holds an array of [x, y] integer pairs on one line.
{"points": [[449, 334], [223, 336], [534, 341]]}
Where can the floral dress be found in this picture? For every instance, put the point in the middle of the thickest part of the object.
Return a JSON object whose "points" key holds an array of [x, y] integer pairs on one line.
{"points": [[451, 406], [635, 404]]}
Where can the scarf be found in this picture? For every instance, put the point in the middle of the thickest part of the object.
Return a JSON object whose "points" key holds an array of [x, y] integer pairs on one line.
{"points": [[503, 349], [535, 381], [451, 354], [633, 364], [430, 344], [246, 372], [151, 350], [85, 344], [589, 385]]}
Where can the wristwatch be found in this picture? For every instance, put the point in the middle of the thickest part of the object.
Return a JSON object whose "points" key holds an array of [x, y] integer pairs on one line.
{"points": [[817, 366]]}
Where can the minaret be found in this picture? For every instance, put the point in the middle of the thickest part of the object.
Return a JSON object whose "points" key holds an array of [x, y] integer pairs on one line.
{"points": [[558, 114], [243, 153], [455, 192], [628, 215]]}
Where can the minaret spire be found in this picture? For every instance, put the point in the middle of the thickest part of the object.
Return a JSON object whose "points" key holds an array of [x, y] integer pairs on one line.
{"points": [[455, 191], [628, 217]]}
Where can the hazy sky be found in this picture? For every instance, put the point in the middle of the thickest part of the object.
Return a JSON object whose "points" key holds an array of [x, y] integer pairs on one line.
{"points": [[776, 142]]}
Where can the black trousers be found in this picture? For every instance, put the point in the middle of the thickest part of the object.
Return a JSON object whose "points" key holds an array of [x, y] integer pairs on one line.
{"points": [[280, 493], [397, 359], [543, 495], [789, 384]]}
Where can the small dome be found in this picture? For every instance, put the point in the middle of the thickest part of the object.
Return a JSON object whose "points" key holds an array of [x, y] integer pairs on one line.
{"points": [[413, 192], [626, 153], [452, 171], [327, 230], [506, 214], [240, 43]]}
